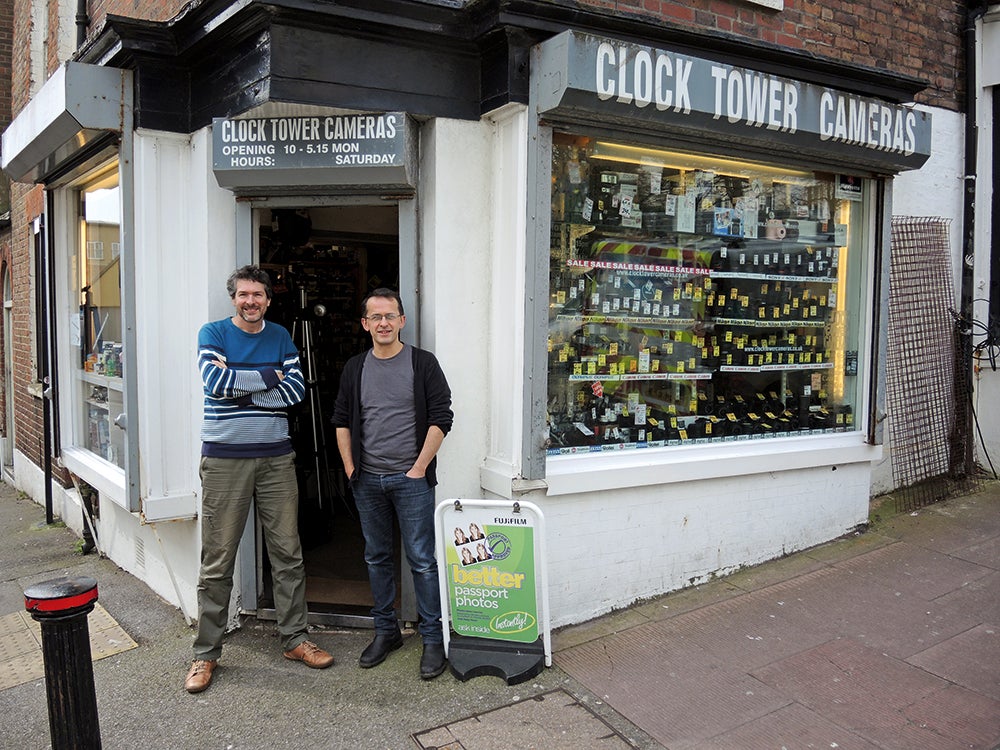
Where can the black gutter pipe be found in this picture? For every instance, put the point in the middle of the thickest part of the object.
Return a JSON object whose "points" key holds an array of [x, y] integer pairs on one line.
{"points": [[974, 11], [82, 22], [44, 356]]}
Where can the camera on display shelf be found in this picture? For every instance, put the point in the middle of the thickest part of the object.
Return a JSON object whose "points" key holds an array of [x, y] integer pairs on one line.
{"points": [[774, 229]]}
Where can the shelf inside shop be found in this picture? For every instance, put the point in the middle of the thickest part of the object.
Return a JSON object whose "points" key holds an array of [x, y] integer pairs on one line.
{"points": [[640, 376], [114, 383]]}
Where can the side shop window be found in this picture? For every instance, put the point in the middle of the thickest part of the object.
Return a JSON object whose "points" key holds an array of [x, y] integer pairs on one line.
{"points": [[95, 280], [699, 299]]}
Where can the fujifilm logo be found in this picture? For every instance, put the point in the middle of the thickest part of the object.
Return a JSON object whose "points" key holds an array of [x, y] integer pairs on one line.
{"points": [[510, 521]]}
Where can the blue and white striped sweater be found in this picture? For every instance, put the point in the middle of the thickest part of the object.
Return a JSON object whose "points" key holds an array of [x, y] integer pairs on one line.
{"points": [[245, 400]]}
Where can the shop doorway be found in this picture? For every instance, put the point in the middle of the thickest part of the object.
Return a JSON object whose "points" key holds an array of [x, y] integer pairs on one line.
{"points": [[322, 261]]}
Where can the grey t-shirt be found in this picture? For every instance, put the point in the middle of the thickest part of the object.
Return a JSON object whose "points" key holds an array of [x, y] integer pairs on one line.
{"points": [[388, 416]]}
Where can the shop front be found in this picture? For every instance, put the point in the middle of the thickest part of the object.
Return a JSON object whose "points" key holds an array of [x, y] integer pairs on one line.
{"points": [[706, 312], [656, 281]]}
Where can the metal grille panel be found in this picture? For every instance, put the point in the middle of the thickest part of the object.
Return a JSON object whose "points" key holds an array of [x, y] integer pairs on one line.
{"points": [[926, 391]]}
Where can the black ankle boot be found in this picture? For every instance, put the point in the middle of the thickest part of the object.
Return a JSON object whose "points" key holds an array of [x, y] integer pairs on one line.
{"points": [[432, 662], [380, 647]]}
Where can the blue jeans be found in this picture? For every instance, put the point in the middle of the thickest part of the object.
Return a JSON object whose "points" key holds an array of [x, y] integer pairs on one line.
{"points": [[379, 498]]}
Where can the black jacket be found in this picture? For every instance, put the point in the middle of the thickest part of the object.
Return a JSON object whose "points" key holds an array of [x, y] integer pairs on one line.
{"points": [[431, 396]]}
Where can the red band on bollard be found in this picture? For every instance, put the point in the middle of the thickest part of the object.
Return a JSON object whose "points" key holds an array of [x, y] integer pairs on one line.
{"points": [[62, 603]]}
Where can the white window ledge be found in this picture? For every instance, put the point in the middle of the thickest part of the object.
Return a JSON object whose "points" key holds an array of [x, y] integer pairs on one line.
{"points": [[105, 477], [587, 472], [179, 507]]}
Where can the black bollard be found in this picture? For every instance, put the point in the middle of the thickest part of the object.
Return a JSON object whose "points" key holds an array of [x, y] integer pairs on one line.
{"points": [[61, 607]]}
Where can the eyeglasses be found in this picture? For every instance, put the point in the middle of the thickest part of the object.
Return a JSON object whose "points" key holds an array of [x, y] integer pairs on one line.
{"points": [[378, 317]]}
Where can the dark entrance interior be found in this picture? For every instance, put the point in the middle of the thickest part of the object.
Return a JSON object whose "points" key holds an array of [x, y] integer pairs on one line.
{"points": [[322, 262]]}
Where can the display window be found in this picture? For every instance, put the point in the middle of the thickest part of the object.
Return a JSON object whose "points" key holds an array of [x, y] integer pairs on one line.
{"points": [[95, 280], [701, 299]]}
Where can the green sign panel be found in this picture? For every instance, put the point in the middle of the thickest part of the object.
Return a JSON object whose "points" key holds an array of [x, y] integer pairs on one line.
{"points": [[490, 556]]}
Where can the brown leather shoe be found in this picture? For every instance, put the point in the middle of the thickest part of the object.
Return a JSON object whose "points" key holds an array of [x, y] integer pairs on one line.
{"points": [[200, 675], [310, 654]]}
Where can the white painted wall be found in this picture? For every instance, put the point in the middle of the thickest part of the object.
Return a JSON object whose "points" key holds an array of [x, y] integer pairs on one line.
{"points": [[933, 190], [936, 188], [986, 381], [610, 549], [185, 240], [185, 249], [456, 286]]}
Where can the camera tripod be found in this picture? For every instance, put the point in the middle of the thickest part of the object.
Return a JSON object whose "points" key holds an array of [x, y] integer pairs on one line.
{"points": [[302, 329]]}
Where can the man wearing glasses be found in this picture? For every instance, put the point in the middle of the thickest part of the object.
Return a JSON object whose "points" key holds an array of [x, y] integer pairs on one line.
{"points": [[392, 412]]}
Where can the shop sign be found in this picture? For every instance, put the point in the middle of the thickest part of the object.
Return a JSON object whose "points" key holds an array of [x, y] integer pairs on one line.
{"points": [[489, 571], [580, 73], [371, 148]]}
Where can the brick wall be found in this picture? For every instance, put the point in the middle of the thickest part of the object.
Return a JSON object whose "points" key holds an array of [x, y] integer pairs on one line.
{"points": [[27, 201], [151, 10], [6, 49], [20, 68], [920, 38]]}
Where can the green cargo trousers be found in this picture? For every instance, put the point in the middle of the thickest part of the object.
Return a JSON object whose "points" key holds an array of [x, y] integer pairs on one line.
{"points": [[228, 486]]}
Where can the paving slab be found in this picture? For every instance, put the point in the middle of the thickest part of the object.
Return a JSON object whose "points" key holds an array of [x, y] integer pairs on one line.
{"points": [[745, 632], [854, 605], [948, 526], [918, 572], [21, 644], [850, 683], [970, 659], [551, 721], [809, 730], [979, 600], [870, 694], [960, 714], [671, 687], [685, 600], [986, 553]]}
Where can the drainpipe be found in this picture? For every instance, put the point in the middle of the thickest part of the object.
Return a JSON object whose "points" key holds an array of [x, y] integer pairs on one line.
{"points": [[44, 356], [974, 11], [82, 22]]}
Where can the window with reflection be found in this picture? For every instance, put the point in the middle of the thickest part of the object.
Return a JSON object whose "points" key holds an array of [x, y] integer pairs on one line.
{"points": [[701, 299], [97, 338]]}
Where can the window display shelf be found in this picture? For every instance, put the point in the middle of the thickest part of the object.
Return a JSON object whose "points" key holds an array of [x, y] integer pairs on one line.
{"points": [[640, 376], [667, 321], [765, 323], [777, 368], [114, 383], [772, 277], [638, 320]]}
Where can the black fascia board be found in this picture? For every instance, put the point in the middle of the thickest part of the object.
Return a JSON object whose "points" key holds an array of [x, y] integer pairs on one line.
{"points": [[373, 71], [161, 79], [224, 60], [177, 62]]}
